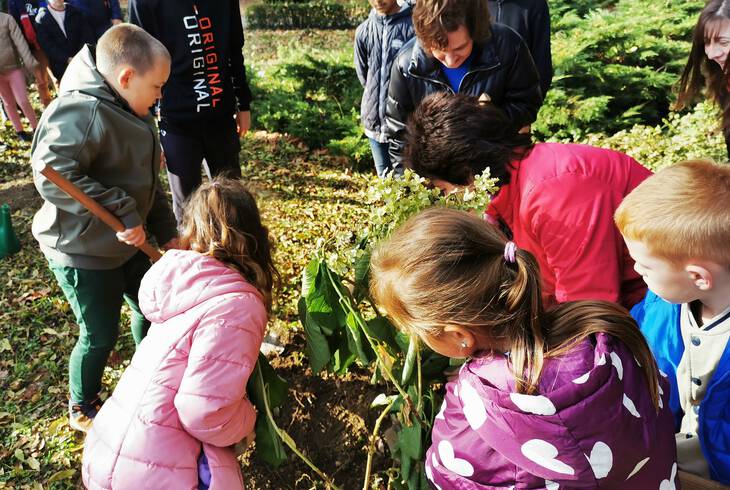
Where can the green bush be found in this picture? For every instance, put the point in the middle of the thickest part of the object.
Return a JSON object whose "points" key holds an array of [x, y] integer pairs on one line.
{"points": [[315, 14], [316, 99], [680, 137], [614, 67]]}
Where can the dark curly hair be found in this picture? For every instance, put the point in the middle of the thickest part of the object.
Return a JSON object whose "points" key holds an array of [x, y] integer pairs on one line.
{"points": [[455, 137]]}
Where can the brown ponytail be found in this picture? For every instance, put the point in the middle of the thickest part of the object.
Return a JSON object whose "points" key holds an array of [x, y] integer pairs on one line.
{"points": [[445, 267]]}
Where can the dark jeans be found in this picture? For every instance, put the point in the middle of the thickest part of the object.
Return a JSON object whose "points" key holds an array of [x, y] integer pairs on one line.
{"points": [[95, 297], [215, 144]]}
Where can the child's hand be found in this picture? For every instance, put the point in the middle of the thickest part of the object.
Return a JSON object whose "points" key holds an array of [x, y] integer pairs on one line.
{"points": [[243, 122], [240, 447], [163, 160], [132, 236]]}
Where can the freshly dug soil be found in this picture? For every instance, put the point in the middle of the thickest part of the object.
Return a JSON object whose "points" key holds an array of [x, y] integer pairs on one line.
{"points": [[330, 420]]}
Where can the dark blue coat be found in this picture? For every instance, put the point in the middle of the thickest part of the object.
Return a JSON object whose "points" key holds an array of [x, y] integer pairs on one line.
{"points": [[531, 20], [57, 46], [659, 322], [377, 42], [99, 13]]}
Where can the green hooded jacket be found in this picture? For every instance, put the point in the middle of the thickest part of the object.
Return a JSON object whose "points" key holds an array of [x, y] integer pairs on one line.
{"points": [[90, 135]]}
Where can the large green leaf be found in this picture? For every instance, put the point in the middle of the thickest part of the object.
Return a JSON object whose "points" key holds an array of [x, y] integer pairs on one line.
{"points": [[409, 440], [410, 361], [381, 329], [318, 349], [355, 341], [362, 275], [278, 388], [322, 302], [342, 357], [264, 386], [309, 276]]}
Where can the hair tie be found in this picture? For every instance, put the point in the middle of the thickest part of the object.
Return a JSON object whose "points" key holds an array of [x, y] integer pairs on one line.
{"points": [[510, 251]]}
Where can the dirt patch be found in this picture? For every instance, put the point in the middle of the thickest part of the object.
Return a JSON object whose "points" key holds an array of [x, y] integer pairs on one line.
{"points": [[20, 194], [329, 418]]}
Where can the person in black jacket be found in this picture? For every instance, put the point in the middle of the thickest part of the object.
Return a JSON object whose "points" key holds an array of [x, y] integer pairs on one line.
{"points": [[61, 31], [205, 106], [456, 50], [531, 20]]}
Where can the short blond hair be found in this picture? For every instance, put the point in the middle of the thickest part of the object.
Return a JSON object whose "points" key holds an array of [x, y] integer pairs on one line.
{"points": [[681, 213], [127, 44]]}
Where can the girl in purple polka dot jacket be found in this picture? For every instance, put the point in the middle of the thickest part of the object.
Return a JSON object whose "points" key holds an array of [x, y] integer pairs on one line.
{"points": [[560, 399]]}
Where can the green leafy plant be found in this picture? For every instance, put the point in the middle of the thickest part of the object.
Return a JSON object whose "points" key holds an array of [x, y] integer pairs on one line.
{"points": [[695, 134], [343, 326]]}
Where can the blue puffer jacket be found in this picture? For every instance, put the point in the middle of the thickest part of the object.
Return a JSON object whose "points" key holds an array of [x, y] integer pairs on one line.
{"points": [[99, 13], [377, 42], [659, 322]]}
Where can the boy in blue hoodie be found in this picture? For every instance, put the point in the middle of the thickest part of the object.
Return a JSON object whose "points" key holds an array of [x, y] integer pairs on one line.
{"points": [[676, 225], [377, 42]]}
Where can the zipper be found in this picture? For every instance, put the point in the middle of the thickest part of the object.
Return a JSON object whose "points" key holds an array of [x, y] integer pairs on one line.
{"points": [[154, 177], [433, 80], [488, 68]]}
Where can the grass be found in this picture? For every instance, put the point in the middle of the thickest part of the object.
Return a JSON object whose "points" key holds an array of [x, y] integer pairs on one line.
{"points": [[303, 195]]}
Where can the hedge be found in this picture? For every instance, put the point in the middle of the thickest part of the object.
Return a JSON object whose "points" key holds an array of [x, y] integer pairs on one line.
{"points": [[317, 14]]}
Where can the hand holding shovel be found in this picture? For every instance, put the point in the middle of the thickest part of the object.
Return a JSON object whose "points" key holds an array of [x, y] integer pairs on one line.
{"points": [[127, 236]]}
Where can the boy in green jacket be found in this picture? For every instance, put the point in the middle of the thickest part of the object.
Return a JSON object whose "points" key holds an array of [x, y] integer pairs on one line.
{"points": [[100, 134]]}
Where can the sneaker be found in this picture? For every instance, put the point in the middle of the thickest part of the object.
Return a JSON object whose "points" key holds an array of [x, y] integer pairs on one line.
{"points": [[81, 415]]}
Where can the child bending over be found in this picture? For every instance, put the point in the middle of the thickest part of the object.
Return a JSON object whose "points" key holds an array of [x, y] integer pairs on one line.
{"points": [[565, 398], [181, 404], [100, 135]]}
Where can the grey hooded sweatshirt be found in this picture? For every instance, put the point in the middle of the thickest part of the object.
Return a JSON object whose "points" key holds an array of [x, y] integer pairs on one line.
{"points": [[90, 135]]}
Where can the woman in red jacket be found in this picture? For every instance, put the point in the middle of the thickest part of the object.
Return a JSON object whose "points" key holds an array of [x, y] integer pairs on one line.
{"points": [[555, 200]]}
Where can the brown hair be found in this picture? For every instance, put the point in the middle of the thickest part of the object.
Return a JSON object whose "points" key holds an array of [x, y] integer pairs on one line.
{"points": [[130, 45], [222, 220], [445, 267], [434, 19], [681, 213], [455, 137], [701, 72]]}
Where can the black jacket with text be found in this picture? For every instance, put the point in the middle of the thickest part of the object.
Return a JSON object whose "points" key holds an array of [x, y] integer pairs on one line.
{"points": [[205, 39]]}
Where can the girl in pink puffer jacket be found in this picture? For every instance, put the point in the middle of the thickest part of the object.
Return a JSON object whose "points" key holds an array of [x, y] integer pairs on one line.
{"points": [[181, 404]]}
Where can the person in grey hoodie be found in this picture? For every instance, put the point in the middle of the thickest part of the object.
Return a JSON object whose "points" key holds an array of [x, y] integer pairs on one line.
{"points": [[100, 135], [377, 42]]}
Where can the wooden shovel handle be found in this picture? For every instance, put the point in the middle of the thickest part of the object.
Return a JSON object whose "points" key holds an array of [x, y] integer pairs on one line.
{"points": [[94, 207]]}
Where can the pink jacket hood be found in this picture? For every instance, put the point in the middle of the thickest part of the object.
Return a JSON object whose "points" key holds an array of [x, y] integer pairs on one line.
{"points": [[184, 280]]}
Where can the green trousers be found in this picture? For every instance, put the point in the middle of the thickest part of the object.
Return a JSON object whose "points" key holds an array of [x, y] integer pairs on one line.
{"points": [[96, 297]]}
